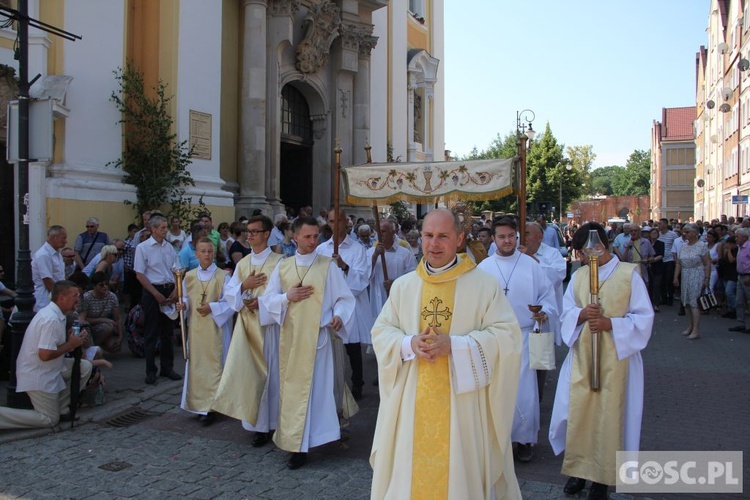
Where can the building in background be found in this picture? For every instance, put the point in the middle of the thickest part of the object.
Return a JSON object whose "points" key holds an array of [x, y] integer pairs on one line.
{"points": [[722, 136], [673, 164], [266, 88]]}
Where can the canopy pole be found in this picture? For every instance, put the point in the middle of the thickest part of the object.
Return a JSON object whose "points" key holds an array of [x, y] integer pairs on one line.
{"points": [[336, 189]]}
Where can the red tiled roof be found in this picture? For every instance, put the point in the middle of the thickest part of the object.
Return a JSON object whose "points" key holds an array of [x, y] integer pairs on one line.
{"points": [[677, 123]]}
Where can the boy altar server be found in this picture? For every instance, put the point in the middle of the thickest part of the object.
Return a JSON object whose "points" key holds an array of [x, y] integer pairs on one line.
{"points": [[210, 331]]}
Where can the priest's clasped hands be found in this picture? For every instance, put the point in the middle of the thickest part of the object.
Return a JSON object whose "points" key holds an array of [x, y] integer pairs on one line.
{"points": [[597, 322], [204, 309], [431, 344]]}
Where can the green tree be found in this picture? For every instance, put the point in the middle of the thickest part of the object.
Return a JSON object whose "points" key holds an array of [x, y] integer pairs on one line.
{"points": [[601, 179], [152, 159], [500, 147], [638, 173]]}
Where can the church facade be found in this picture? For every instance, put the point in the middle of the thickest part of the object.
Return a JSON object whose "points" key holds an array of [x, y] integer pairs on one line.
{"points": [[263, 89]]}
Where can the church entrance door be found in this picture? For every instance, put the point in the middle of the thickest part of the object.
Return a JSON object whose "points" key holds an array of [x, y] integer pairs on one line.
{"points": [[296, 158]]}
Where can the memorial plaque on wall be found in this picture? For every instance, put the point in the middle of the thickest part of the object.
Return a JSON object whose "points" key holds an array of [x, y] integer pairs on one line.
{"points": [[200, 134]]}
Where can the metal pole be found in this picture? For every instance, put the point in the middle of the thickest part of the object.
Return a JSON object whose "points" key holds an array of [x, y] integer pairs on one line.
{"points": [[21, 318], [521, 143]]}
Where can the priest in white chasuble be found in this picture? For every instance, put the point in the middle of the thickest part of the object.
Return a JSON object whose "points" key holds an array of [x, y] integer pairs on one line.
{"points": [[249, 388], [399, 261], [355, 269], [210, 319], [449, 350], [524, 282], [591, 426], [309, 298]]}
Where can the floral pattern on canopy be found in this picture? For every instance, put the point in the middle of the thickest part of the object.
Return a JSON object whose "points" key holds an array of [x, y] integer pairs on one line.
{"points": [[450, 181]]}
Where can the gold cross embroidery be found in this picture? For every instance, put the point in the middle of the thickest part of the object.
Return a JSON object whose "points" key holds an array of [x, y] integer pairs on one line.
{"points": [[436, 312]]}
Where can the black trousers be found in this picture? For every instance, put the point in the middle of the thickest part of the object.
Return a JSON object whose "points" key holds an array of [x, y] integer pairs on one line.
{"points": [[667, 288], [354, 351], [157, 327]]}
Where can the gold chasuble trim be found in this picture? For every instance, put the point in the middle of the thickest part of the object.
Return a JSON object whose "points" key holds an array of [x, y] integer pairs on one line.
{"points": [[432, 411], [205, 368], [245, 371], [595, 429], [298, 344]]}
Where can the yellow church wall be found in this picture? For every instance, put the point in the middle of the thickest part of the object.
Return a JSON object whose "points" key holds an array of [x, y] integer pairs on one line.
{"points": [[230, 64], [417, 35], [114, 217]]}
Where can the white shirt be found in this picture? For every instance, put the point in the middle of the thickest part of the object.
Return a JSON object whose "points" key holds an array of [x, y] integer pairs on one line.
{"points": [[47, 263], [155, 261], [275, 238], [46, 331], [668, 238]]}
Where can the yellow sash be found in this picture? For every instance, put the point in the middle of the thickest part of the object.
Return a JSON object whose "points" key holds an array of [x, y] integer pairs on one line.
{"points": [[432, 411], [245, 370], [595, 419], [298, 344], [205, 340]]}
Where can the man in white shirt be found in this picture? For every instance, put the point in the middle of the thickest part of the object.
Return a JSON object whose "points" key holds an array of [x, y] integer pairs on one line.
{"points": [[621, 241], [47, 266], [154, 259], [42, 371]]}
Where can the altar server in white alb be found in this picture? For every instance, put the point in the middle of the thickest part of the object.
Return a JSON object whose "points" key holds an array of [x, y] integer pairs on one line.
{"points": [[524, 283], [353, 266], [249, 388], [210, 320], [399, 261], [306, 294], [591, 426]]}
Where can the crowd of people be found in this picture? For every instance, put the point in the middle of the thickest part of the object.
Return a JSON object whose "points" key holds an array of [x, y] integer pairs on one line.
{"points": [[253, 291]]}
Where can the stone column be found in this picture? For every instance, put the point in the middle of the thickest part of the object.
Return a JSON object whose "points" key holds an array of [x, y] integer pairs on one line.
{"points": [[411, 148], [252, 161], [428, 142], [361, 121]]}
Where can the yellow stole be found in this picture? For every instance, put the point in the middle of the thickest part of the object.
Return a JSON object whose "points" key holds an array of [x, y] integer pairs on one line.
{"points": [[205, 341], [298, 345], [595, 419], [432, 411], [245, 370]]}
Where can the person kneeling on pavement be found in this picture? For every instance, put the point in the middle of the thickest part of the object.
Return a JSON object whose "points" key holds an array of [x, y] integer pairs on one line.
{"points": [[42, 370]]}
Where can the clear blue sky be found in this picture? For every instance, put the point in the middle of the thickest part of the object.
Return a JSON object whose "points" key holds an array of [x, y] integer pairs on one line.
{"points": [[599, 71]]}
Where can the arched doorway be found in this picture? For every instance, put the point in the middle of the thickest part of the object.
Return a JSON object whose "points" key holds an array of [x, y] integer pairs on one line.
{"points": [[296, 159]]}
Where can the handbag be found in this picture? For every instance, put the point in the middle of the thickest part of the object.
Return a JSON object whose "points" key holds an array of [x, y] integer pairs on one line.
{"points": [[707, 300], [541, 350]]}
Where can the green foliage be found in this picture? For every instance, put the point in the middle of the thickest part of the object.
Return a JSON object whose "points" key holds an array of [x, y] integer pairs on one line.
{"points": [[603, 180], [638, 174], [152, 159], [389, 154], [401, 210]]}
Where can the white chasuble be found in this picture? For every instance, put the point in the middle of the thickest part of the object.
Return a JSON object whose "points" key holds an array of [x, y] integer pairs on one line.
{"points": [[478, 439], [527, 284]]}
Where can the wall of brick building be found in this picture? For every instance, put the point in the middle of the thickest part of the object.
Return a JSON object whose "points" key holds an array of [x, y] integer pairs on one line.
{"points": [[635, 208]]}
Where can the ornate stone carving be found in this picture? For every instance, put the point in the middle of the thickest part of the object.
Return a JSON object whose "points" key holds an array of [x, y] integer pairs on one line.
{"points": [[319, 125], [344, 96], [367, 43], [283, 7], [322, 24], [351, 34]]}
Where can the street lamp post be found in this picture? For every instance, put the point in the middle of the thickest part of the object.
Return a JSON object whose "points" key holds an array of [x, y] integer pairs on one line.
{"points": [[524, 132], [568, 167]]}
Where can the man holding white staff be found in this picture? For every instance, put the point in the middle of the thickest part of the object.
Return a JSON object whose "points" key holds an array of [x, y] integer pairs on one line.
{"points": [[524, 283], [612, 414]]}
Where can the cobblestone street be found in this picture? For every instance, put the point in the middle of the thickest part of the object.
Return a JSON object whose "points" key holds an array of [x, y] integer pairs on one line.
{"points": [[696, 399]]}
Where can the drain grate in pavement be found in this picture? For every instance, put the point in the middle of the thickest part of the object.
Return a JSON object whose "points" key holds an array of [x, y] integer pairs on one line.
{"points": [[115, 466], [129, 418]]}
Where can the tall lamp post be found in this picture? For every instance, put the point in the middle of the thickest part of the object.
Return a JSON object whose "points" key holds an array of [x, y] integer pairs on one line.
{"points": [[568, 167], [524, 132]]}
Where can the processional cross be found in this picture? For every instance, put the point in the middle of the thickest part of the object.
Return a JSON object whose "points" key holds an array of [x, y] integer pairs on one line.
{"points": [[436, 312]]}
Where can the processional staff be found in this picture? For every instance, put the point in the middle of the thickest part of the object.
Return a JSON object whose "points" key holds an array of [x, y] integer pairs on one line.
{"points": [[593, 249], [376, 216]]}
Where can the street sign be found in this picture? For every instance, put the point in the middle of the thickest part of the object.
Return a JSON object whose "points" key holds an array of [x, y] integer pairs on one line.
{"points": [[739, 199], [570, 215]]}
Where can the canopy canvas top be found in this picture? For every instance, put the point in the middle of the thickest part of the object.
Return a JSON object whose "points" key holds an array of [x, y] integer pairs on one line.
{"points": [[426, 182]]}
